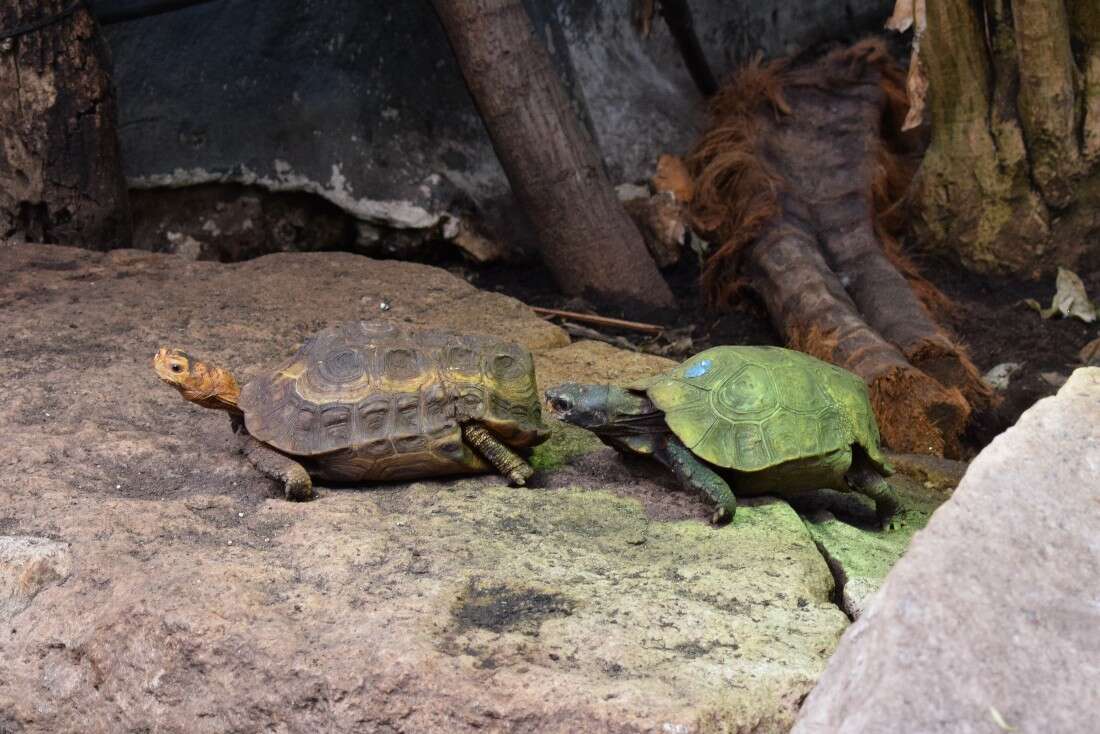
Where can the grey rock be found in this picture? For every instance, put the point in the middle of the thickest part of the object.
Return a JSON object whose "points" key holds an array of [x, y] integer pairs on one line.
{"points": [[991, 617], [362, 103]]}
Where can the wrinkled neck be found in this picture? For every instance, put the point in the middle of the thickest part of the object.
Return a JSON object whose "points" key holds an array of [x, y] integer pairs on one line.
{"points": [[212, 387], [631, 413]]}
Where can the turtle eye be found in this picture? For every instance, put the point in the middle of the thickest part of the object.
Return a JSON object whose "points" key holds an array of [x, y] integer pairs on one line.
{"points": [[561, 403], [177, 367]]}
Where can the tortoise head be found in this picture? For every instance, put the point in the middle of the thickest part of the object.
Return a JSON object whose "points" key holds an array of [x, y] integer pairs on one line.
{"points": [[599, 408], [198, 382]]}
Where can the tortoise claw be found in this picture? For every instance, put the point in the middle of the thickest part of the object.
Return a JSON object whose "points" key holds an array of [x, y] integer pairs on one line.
{"points": [[721, 516], [297, 490]]}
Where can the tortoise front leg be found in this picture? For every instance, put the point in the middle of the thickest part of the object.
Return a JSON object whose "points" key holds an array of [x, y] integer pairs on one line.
{"points": [[506, 461], [696, 476], [295, 479]]}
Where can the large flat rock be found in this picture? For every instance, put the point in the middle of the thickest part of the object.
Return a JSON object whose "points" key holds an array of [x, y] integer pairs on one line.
{"points": [[433, 607], [990, 621], [28, 565], [151, 580]]}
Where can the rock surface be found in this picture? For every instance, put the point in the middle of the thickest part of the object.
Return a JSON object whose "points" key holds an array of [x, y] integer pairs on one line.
{"points": [[989, 623], [596, 362], [860, 560], [172, 586], [28, 565], [362, 103]]}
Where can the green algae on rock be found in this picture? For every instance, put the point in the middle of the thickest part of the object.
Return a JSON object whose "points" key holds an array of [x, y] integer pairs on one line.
{"points": [[566, 443], [860, 560]]}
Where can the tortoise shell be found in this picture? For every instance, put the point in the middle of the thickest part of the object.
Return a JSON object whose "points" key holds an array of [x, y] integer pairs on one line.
{"points": [[367, 400], [755, 408]]}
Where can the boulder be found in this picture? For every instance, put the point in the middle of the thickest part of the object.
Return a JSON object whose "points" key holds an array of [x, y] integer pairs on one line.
{"points": [[362, 103], [596, 362], [175, 589], [989, 622]]}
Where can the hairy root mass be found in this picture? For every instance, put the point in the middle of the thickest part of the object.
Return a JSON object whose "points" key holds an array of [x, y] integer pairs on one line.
{"points": [[798, 183]]}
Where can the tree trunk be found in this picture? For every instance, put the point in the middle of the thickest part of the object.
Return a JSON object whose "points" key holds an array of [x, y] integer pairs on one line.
{"points": [[1011, 179], [795, 179], [60, 174], [587, 239]]}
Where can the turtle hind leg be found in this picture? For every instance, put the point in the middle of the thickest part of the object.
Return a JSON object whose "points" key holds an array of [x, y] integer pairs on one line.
{"points": [[696, 476], [295, 479], [506, 461], [870, 483]]}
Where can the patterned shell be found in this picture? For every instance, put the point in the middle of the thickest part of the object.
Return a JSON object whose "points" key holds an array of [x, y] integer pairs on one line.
{"points": [[753, 408], [375, 400]]}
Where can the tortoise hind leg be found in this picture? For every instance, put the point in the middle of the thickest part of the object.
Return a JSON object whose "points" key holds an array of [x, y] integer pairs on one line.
{"points": [[506, 461], [697, 476], [295, 479], [870, 483]]}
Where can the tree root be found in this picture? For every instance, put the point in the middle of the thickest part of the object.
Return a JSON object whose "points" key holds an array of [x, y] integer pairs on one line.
{"points": [[795, 182]]}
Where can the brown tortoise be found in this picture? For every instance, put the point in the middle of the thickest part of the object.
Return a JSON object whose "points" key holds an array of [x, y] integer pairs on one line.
{"points": [[371, 401]]}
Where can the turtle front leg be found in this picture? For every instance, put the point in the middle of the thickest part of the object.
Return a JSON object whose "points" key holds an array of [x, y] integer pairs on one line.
{"points": [[870, 483], [295, 479], [506, 461], [696, 476]]}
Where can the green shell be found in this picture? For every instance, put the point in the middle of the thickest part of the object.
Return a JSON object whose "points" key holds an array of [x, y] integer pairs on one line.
{"points": [[754, 408]]}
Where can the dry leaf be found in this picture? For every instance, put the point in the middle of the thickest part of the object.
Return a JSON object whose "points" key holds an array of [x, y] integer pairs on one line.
{"points": [[911, 14], [672, 176], [1090, 353], [1069, 299], [916, 86], [476, 246], [663, 223], [1054, 379], [999, 720], [902, 18], [999, 377], [642, 16]]}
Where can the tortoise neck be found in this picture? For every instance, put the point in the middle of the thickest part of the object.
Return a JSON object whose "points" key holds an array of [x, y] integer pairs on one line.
{"points": [[631, 413], [212, 387]]}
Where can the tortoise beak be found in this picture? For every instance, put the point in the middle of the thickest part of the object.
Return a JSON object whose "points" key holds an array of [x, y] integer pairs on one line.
{"points": [[560, 403]]}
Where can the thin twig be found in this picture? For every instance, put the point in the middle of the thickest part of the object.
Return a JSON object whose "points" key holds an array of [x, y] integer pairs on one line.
{"points": [[584, 332], [600, 320]]}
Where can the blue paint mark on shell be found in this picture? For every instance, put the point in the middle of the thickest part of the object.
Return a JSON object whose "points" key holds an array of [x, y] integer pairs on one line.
{"points": [[698, 369]]}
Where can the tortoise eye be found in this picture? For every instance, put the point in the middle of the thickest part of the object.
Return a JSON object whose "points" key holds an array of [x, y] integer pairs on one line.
{"points": [[177, 368]]}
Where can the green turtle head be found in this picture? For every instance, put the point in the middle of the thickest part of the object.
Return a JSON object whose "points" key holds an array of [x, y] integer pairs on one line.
{"points": [[599, 408]]}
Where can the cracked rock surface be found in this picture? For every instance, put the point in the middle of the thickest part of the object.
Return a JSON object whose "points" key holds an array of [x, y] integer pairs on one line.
{"points": [[149, 578], [989, 623]]}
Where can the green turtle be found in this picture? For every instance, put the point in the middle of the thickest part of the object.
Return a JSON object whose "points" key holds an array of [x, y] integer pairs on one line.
{"points": [[765, 419]]}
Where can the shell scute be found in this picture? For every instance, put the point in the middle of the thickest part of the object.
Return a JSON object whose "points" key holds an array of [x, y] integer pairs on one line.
{"points": [[753, 408], [336, 420], [749, 394], [401, 364], [369, 400]]}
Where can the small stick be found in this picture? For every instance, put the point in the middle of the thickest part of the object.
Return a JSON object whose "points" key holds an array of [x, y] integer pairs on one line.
{"points": [[601, 320]]}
